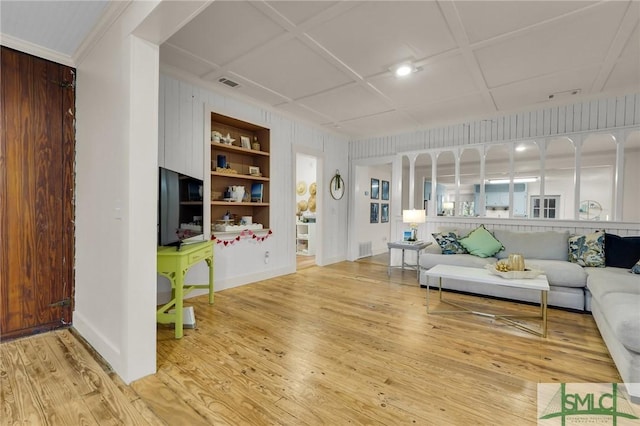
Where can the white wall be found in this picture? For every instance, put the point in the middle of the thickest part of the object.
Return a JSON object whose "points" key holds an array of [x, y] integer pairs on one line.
{"points": [[115, 243], [376, 233], [243, 262], [116, 165]]}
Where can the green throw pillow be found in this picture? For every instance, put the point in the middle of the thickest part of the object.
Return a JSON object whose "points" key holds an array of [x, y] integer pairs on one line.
{"points": [[481, 243]]}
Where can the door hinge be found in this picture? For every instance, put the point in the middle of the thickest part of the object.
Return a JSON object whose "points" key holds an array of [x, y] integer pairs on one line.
{"points": [[61, 303]]}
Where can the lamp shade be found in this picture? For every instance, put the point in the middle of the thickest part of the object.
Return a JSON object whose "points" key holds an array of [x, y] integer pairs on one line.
{"points": [[414, 216]]}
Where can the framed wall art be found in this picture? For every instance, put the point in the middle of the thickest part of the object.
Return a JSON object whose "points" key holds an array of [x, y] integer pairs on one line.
{"points": [[245, 142], [375, 188], [385, 190], [384, 212], [375, 207]]}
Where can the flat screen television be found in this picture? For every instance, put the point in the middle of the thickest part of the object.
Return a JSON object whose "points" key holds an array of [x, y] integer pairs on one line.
{"points": [[180, 207]]}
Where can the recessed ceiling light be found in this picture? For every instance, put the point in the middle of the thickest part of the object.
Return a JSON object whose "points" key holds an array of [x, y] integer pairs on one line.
{"points": [[521, 148], [403, 70]]}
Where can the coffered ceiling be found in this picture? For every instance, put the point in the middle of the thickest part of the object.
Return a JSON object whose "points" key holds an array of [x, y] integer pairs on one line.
{"points": [[329, 62]]}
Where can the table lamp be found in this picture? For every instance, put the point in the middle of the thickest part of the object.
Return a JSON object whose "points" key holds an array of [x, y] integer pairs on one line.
{"points": [[413, 218]]}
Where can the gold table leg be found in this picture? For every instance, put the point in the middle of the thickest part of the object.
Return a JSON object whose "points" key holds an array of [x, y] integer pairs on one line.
{"points": [[506, 317]]}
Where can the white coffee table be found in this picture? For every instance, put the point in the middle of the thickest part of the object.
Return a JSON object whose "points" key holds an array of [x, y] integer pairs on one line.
{"points": [[481, 275]]}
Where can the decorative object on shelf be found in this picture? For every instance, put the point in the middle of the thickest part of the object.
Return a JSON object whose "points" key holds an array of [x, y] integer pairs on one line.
{"points": [[373, 212], [336, 186], [590, 210], [413, 218], [243, 235], [385, 190], [254, 171], [216, 136], [245, 142], [257, 190], [226, 170], [255, 146], [312, 189], [222, 162], [384, 213], [312, 204], [301, 188], [237, 192], [302, 206], [228, 140], [375, 188]]}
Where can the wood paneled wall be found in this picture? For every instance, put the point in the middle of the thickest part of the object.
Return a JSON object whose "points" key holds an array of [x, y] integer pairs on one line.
{"points": [[596, 115]]}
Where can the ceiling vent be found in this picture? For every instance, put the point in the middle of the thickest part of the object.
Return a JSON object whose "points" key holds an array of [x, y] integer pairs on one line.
{"points": [[565, 94], [228, 82]]}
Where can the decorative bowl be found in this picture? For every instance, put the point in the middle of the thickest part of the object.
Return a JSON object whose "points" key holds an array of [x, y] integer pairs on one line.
{"points": [[527, 273]]}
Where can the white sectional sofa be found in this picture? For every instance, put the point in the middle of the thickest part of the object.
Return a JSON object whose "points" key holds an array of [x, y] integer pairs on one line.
{"points": [[611, 294], [548, 250]]}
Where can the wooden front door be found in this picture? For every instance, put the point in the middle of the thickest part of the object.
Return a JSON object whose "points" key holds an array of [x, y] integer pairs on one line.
{"points": [[37, 145]]}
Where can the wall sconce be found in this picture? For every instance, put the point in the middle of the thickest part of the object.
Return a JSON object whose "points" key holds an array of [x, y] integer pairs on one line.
{"points": [[413, 218]]}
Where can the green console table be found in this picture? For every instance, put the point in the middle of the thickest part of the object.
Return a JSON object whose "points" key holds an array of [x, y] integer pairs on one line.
{"points": [[174, 265]]}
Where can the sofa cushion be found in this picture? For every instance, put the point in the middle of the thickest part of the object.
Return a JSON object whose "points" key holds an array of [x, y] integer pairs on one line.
{"points": [[448, 242], [587, 250], [621, 252], [481, 243], [622, 313], [552, 245], [560, 272], [428, 260], [601, 281]]}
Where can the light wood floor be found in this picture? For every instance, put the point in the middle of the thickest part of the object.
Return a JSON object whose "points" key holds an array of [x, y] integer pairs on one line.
{"points": [[303, 262], [337, 345]]}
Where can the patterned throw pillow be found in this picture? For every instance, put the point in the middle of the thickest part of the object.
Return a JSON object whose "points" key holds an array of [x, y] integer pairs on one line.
{"points": [[587, 250], [636, 268], [480, 242], [448, 242]]}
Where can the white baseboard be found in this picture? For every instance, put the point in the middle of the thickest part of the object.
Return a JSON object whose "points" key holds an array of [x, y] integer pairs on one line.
{"points": [[106, 348]]}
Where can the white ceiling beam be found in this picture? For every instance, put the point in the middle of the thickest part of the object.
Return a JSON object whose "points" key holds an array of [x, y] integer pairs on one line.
{"points": [[451, 15], [627, 26]]}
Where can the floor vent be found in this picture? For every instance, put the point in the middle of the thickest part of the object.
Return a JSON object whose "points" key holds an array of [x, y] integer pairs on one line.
{"points": [[364, 249]]}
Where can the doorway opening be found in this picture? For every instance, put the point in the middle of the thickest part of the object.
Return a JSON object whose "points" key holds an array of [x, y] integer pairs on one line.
{"points": [[307, 200]]}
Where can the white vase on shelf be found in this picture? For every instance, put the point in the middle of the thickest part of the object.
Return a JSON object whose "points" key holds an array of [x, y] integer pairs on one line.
{"points": [[237, 193]]}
